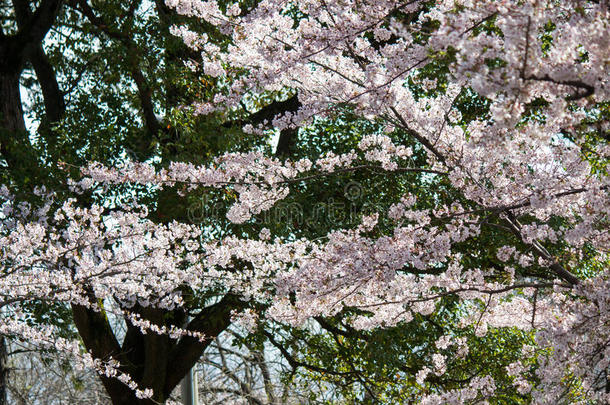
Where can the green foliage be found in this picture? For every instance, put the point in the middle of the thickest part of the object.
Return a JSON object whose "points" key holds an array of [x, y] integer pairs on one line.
{"points": [[109, 73]]}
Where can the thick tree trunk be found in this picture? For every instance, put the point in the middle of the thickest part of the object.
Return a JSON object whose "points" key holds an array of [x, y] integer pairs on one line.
{"points": [[12, 125], [16, 150], [152, 361], [10, 101], [120, 394]]}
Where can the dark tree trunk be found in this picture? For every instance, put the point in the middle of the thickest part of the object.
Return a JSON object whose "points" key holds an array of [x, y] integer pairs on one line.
{"points": [[10, 100], [14, 51], [12, 125], [152, 361]]}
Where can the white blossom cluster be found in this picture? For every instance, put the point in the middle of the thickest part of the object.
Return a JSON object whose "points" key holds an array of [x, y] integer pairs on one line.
{"points": [[359, 53]]}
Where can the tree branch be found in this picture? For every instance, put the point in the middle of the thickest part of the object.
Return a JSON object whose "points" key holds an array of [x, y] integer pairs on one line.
{"points": [[35, 27], [211, 321], [144, 90], [587, 88], [564, 274]]}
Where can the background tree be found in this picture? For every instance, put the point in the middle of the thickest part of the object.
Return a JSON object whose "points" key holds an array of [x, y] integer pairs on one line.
{"points": [[47, 378], [421, 187]]}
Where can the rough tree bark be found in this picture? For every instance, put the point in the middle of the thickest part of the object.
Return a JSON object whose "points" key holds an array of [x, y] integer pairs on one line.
{"points": [[153, 361]]}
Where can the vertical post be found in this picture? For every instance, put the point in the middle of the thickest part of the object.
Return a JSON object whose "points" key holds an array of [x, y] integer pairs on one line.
{"points": [[188, 388]]}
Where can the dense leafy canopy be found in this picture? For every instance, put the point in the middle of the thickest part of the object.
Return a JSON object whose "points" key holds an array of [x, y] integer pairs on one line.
{"points": [[407, 200]]}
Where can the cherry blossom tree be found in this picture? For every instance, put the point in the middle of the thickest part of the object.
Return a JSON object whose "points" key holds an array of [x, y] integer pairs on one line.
{"points": [[493, 118]]}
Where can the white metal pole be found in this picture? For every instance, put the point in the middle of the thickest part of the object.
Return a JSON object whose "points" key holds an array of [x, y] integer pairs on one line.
{"points": [[188, 388]]}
